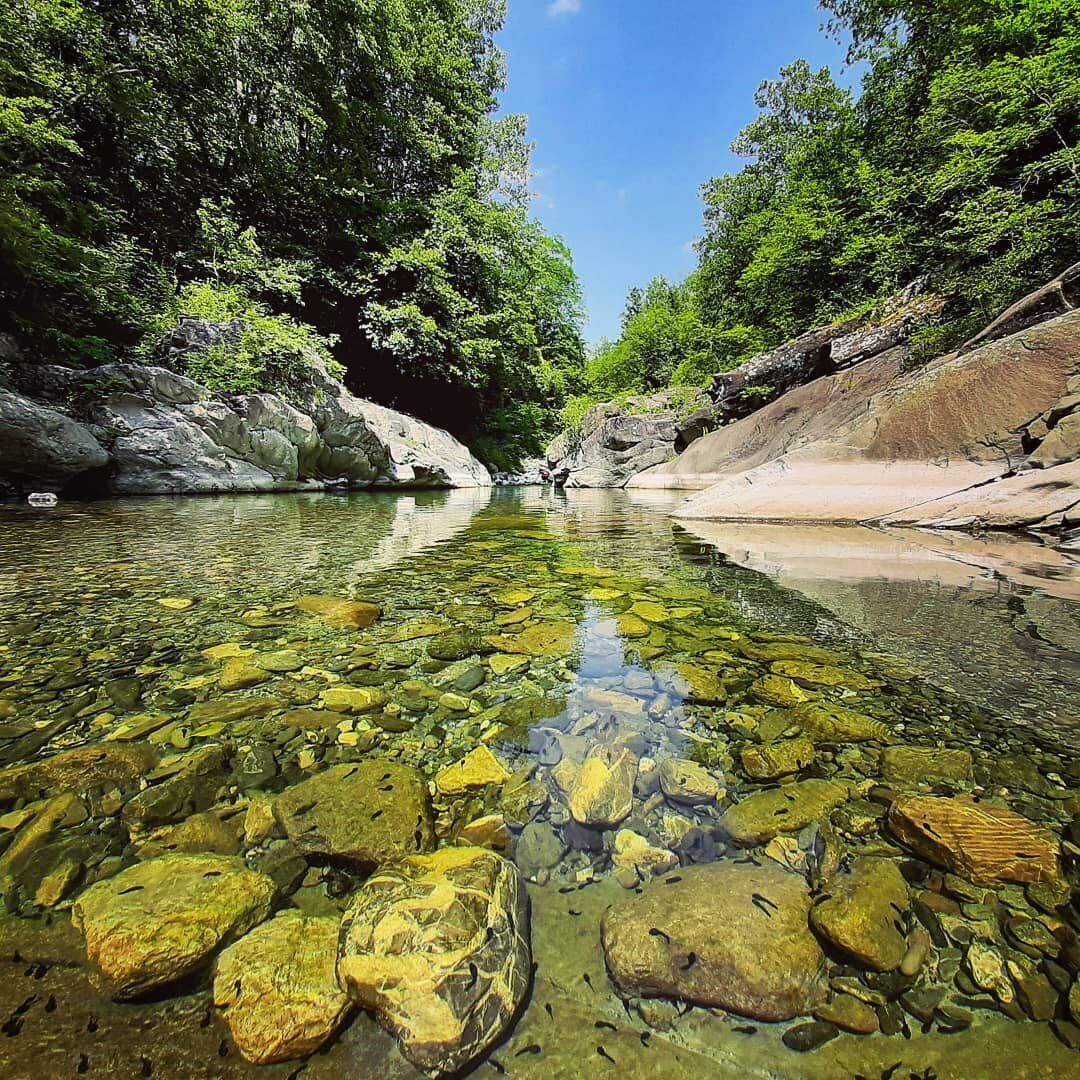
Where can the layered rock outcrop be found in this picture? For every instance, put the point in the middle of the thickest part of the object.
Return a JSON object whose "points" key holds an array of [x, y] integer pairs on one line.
{"points": [[143, 430], [984, 436]]}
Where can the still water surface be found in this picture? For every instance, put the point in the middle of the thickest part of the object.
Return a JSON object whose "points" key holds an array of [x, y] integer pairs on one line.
{"points": [[546, 625]]}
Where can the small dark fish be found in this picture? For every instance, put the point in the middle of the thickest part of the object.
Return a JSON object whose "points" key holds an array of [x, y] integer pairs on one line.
{"points": [[92, 1024], [672, 880], [498, 1066], [147, 1067], [549, 1010], [588, 981], [571, 911], [567, 888], [605, 1025], [474, 974], [532, 1048], [691, 960], [645, 1037], [605, 1055], [655, 932], [223, 1048], [745, 1029], [295, 1074], [50, 1005], [887, 1074], [84, 1064]]}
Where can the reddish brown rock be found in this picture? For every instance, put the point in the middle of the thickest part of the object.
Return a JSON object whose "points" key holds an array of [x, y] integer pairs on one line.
{"points": [[984, 843]]}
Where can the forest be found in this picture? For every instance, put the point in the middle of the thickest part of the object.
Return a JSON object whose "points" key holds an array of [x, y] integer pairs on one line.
{"points": [[958, 164], [334, 175]]}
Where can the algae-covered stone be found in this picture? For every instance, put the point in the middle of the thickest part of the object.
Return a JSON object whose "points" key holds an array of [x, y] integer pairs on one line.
{"points": [[180, 786], [240, 674], [341, 612], [200, 832], [363, 814], [981, 842], [726, 935], [633, 852], [906, 766], [231, 711], [553, 638], [779, 691], [765, 814], [772, 651], [277, 987], [160, 920], [698, 684], [457, 645], [836, 723], [77, 770], [539, 847], [770, 760], [437, 947], [860, 913], [687, 782], [632, 626], [478, 769], [603, 793], [505, 663], [812, 675], [354, 699]]}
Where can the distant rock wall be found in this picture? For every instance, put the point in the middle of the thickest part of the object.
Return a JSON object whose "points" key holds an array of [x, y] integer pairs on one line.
{"points": [[985, 437], [128, 429]]}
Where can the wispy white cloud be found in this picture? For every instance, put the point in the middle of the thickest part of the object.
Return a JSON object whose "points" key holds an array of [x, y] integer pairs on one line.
{"points": [[563, 7]]}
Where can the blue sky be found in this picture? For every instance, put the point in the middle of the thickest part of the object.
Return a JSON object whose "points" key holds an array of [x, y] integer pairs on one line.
{"points": [[632, 105]]}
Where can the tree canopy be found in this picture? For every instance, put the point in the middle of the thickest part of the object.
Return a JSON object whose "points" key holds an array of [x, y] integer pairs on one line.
{"points": [[330, 171], [959, 162]]}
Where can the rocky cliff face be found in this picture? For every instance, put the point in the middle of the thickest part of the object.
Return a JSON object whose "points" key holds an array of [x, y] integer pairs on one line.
{"points": [[127, 429], [988, 436], [616, 440]]}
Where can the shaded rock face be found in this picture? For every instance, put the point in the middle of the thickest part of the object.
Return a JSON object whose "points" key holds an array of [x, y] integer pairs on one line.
{"points": [[148, 430], [437, 946], [41, 447], [360, 814], [765, 814], [618, 440], [984, 843], [726, 935], [278, 989], [162, 919]]}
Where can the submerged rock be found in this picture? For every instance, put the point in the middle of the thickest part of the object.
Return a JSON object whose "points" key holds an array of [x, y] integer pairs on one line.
{"points": [[179, 786], [906, 766], [363, 813], [984, 843], [836, 723], [278, 989], [688, 782], [437, 947], [77, 770], [768, 761], [477, 770], [603, 792], [765, 814], [341, 612], [861, 911], [726, 935], [162, 919]]}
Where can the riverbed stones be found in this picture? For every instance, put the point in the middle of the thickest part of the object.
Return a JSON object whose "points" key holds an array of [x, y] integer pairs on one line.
{"points": [[785, 809], [984, 843], [602, 794], [694, 683], [554, 638], [182, 785], [828, 675], [771, 760], [477, 770], [437, 947], [849, 1014], [688, 783], [539, 847], [908, 766], [240, 674], [231, 711], [828, 722], [340, 612], [361, 814], [277, 988], [634, 853], [77, 770], [726, 935], [861, 912], [354, 699], [162, 919]]}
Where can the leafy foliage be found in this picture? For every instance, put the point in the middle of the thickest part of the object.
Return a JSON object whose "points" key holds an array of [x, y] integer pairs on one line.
{"points": [[328, 172], [960, 162]]}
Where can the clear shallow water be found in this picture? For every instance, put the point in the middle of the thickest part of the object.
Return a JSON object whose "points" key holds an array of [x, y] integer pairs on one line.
{"points": [[968, 644]]}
